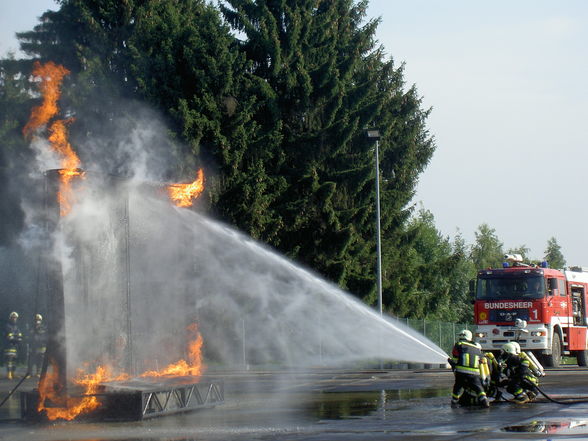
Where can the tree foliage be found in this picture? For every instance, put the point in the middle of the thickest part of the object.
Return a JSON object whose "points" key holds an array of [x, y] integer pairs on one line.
{"points": [[328, 82], [553, 254], [273, 99], [487, 251]]}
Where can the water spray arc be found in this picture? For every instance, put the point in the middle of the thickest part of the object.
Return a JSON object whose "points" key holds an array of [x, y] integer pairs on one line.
{"points": [[129, 275]]}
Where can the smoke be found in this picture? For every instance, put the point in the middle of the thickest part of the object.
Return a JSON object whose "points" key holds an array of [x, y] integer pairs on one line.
{"points": [[145, 270], [137, 271], [134, 144]]}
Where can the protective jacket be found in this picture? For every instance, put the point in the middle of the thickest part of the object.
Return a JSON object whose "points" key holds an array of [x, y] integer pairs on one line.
{"points": [[518, 373], [466, 358], [13, 334], [39, 338]]}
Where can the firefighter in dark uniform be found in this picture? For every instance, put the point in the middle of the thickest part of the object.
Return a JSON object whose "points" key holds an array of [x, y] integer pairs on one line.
{"points": [[13, 337], [38, 345], [465, 362], [517, 372]]}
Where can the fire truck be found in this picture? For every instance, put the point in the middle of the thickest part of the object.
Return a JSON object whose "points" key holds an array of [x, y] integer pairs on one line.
{"points": [[544, 309]]}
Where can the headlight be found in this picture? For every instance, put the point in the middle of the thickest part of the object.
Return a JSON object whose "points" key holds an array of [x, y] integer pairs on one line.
{"points": [[538, 333], [481, 334]]}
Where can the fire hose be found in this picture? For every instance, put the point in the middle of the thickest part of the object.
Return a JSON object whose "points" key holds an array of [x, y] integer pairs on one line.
{"points": [[25, 376], [573, 401]]}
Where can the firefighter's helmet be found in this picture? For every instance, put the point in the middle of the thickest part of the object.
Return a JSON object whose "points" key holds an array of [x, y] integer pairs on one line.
{"points": [[38, 318], [465, 335], [517, 346], [13, 315], [509, 348]]}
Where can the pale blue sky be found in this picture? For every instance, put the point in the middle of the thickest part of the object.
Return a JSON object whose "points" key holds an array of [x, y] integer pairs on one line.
{"points": [[507, 81]]}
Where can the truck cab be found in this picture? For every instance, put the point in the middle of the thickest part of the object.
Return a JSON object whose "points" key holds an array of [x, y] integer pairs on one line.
{"points": [[551, 303]]}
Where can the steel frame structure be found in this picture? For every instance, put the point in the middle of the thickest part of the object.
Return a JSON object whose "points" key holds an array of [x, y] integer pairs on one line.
{"points": [[131, 402]]}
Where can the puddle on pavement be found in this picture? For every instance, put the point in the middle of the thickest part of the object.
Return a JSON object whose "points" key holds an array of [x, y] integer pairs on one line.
{"points": [[539, 426], [345, 405]]}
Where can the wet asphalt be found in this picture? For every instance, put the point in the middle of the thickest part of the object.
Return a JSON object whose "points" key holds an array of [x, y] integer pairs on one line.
{"points": [[327, 404]]}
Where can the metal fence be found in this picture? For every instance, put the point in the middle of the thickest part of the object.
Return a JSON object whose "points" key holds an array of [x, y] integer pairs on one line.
{"points": [[443, 334]]}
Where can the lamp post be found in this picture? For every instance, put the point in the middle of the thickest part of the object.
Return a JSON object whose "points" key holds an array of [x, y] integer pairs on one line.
{"points": [[374, 134]]}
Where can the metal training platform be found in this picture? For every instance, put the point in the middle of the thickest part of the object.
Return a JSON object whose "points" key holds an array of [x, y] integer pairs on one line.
{"points": [[139, 399]]}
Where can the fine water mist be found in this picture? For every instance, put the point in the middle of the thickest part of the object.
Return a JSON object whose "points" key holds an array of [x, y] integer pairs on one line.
{"points": [[138, 271]]}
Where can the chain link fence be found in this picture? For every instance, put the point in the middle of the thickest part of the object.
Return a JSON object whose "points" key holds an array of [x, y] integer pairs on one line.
{"points": [[443, 334]]}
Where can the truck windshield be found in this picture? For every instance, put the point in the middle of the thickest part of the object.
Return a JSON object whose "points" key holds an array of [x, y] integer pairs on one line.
{"points": [[497, 288]]}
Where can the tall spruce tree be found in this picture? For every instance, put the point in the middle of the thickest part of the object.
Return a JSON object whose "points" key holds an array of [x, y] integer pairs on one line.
{"points": [[329, 82]]}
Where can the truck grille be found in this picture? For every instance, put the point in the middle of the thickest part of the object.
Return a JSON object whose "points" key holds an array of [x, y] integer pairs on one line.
{"points": [[508, 315]]}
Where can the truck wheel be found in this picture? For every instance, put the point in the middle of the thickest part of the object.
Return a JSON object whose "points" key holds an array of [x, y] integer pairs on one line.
{"points": [[554, 359], [582, 357]]}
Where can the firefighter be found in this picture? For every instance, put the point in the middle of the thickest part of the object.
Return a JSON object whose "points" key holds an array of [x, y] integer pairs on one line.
{"points": [[38, 345], [13, 338], [465, 363], [518, 374]]}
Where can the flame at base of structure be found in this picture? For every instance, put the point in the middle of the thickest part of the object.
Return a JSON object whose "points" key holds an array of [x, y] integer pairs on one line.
{"points": [[57, 404]]}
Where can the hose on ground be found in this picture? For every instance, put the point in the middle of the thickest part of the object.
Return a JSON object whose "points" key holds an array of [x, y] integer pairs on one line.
{"points": [[573, 401]]}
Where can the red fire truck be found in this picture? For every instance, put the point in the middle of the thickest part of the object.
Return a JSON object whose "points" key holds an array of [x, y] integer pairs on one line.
{"points": [[550, 306]]}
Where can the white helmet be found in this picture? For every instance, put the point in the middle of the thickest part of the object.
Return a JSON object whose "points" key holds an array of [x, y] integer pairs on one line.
{"points": [[465, 335], [509, 348], [38, 317], [517, 346], [13, 314]]}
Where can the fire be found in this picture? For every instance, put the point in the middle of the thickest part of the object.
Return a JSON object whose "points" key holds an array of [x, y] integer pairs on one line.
{"points": [[51, 79], [57, 405], [184, 194], [193, 367]]}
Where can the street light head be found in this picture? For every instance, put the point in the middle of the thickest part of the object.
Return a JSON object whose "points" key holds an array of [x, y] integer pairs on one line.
{"points": [[373, 134]]}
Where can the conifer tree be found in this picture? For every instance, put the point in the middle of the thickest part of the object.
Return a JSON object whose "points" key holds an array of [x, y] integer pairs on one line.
{"points": [[329, 82], [487, 250], [276, 113], [553, 254]]}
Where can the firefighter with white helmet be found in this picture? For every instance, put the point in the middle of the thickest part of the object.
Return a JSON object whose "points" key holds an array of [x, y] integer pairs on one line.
{"points": [[13, 337], [465, 362], [518, 374], [38, 345]]}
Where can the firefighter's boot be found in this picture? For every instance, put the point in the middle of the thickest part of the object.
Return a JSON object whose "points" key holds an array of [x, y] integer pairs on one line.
{"points": [[521, 398], [484, 402], [454, 403]]}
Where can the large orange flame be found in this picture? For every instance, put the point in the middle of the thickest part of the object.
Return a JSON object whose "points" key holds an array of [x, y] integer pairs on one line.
{"points": [[51, 76], [183, 195], [193, 367], [57, 406]]}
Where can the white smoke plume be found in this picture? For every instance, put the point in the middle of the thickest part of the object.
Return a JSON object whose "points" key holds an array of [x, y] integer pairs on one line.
{"points": [[137, 271]]}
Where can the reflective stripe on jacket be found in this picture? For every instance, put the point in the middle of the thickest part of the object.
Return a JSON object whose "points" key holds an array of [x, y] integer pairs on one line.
{"points": [[467, 357]]}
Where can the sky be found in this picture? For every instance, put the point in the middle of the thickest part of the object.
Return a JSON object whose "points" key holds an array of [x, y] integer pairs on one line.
{"points": [[507, 85]]}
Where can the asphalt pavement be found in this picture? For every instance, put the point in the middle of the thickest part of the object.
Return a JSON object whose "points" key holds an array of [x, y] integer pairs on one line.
{"points": [[334, 404]]}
